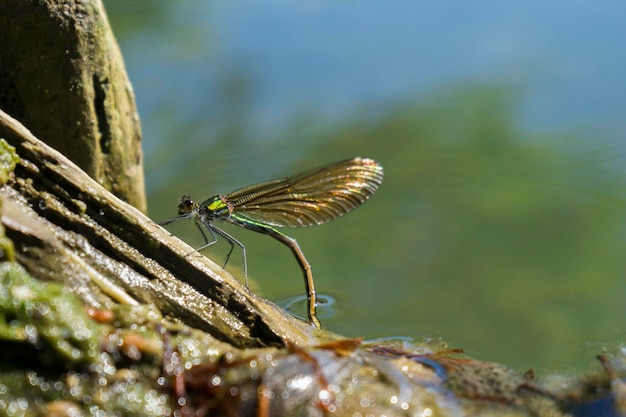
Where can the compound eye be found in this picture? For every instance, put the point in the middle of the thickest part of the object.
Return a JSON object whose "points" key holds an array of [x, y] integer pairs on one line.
{"points": [[186, 204]]}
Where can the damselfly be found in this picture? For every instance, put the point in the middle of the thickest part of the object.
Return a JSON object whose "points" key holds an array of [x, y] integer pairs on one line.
{"points": [[306, 199]]}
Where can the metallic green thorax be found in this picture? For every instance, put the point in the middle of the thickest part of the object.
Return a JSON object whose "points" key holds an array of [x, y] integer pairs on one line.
{"points": [[310, 198], [216, 207]]}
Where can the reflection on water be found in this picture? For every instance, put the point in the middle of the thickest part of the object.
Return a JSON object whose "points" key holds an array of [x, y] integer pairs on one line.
{"points": [[297, 306], [507, 243], [494, 241]]}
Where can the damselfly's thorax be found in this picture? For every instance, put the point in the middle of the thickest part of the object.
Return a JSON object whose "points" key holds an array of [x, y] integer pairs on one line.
{"points": [[216, 207]]}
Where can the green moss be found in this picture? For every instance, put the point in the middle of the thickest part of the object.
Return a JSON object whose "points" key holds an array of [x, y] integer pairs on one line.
{"points": [[7, 250], [57, 360], [8, 160], [46, 315]]}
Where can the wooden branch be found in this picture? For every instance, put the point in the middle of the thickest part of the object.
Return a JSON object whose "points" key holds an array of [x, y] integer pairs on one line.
{"points": [[68, 228]]}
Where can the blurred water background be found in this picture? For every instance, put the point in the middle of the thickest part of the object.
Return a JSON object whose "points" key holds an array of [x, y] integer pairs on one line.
{"points": [[500, 225]]}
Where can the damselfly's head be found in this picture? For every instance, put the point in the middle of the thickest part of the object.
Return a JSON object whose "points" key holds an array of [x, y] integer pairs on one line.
{"points": [[186, 205], [187, 208]]}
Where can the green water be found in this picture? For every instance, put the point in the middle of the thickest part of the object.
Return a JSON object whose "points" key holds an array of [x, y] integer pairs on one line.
{"points": [[504, 237], [510, 247]]}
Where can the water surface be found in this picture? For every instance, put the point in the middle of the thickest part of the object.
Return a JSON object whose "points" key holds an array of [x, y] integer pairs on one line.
{"points": [[500, 225]]}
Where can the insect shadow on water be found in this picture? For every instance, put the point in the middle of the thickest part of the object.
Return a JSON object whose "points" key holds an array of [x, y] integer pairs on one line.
{"points": [[307, 199]]}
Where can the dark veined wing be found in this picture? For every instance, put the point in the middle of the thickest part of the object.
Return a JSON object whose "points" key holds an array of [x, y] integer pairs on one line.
{"points": [[311, 197]]}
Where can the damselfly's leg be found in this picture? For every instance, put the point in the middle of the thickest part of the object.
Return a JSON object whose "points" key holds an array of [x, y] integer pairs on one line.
{"points": [[207, 242], [232, 242]]}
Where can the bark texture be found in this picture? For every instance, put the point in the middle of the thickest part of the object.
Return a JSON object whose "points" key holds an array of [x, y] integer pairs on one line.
{"points": [[62, 76]]}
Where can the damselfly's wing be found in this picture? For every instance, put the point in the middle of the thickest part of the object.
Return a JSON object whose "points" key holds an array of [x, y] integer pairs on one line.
{"points": [[311, 197]]}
